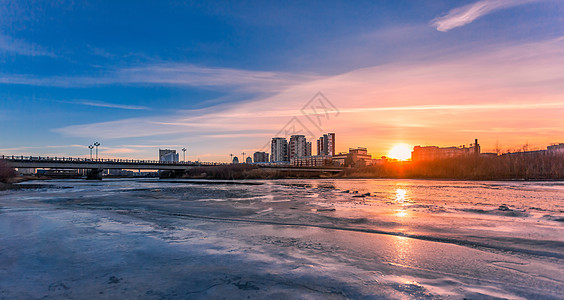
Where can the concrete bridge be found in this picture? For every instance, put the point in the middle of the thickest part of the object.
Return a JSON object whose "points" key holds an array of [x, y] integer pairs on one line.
{"points": [[96, 166], [84, 163]]}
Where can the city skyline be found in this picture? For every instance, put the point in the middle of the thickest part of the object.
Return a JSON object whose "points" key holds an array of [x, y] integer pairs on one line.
{"points": [[221, 79]]}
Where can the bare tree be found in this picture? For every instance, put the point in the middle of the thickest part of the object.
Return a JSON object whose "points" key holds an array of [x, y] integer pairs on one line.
{"points": [[6, 171]]}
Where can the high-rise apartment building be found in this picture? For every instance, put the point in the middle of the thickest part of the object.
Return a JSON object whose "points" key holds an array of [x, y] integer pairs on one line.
{"points": [[330, 144], [279, 149], [326, 144], [297, 146], [308, 149], [320, 150]]}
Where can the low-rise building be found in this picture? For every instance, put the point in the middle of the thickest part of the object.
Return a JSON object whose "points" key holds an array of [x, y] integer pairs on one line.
{"points": [[311, 161], [433, 152], [260, 157], [168, 155], [357, 157], [556, 148]]}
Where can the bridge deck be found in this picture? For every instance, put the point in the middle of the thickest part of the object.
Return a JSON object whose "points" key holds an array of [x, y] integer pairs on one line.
{"points": [[84, 163]]}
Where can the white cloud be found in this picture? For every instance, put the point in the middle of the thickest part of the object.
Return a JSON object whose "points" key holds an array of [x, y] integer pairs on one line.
{"points": [[466, 107], [26, 148], [173, 74], [109, 105], [11, 45], [466, 14]]}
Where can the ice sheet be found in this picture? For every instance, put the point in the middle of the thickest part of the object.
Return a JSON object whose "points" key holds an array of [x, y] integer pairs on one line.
{"points": [[283, 239]]}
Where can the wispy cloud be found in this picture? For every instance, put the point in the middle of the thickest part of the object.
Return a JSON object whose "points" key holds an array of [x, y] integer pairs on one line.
{"points": [[108, 105], [467, 14], [172, 74], [118, 151], [27, 148], [467, 107], [21, 47]]}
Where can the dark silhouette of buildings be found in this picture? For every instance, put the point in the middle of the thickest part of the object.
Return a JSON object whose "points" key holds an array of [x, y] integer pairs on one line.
{"points": [[433, 152], [357, 157]]}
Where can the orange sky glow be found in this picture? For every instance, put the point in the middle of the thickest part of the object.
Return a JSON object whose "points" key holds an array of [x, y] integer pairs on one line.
{"points": [[506, 97]]}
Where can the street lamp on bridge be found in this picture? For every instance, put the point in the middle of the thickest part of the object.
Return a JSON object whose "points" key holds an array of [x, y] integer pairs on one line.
{"points": [[96, 144], [90, 147]]}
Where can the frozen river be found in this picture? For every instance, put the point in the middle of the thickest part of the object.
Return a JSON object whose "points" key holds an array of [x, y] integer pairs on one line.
{"points": [[284, 239]]}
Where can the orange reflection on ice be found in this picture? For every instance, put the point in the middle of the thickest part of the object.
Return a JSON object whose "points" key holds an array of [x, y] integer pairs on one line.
{"points": [[400, 195], [401, 198], [401, 213], [403, 251]]}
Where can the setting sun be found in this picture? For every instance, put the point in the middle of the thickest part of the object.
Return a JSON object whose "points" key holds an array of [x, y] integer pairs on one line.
{"points": [[400, 152]]}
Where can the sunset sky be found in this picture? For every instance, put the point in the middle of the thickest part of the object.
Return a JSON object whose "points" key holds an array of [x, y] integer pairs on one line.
{"points": [[225, 77]]}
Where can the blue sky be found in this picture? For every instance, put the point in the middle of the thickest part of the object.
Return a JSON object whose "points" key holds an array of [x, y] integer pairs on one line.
{"points": [[223, 77]]}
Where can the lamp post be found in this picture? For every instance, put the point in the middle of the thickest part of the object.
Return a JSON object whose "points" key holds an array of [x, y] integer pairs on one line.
{"points": [[96, 144], [231, 157], [184, 150], [90, 147]]}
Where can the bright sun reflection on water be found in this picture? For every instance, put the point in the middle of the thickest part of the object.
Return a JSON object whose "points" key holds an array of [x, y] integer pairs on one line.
{"points": [[401, 198], [400, 195], [401, 213]]}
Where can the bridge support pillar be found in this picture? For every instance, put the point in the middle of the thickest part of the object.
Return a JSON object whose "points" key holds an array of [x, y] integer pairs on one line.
{"points": [[94, 174]]}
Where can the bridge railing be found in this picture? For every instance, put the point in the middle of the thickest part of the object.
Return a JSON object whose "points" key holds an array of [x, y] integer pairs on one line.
{"points": [[102, 160]]}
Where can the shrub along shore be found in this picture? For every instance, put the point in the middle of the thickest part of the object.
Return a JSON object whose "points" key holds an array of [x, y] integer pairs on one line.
{"points": [[517, 167]]}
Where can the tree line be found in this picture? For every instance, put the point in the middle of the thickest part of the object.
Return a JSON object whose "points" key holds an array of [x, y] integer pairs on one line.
{"points": [[527, 166]]}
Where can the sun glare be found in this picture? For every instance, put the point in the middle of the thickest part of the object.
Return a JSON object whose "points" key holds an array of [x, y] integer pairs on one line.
{"points": [[400, 152]]}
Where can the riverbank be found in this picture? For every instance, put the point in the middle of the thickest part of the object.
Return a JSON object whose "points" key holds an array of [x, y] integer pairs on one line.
{"points": [[451, 169], [249, 171]]}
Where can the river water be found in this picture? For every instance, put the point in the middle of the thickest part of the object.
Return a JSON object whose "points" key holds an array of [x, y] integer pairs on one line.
{"points": [[282, 239]]}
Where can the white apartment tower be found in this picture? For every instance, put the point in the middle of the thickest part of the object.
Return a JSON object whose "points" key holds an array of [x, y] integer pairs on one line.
{"points": [[279, 149], [297, 147], [330, 144]]}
